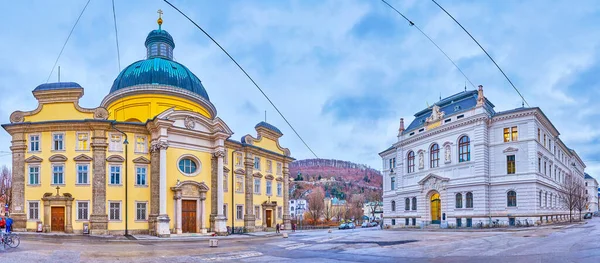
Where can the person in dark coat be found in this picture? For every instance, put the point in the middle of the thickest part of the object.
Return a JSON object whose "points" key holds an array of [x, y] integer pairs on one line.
{"points": [[277, 228]]}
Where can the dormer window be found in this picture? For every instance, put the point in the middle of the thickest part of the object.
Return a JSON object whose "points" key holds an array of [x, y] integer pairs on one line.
{"points": [[457, 108]]}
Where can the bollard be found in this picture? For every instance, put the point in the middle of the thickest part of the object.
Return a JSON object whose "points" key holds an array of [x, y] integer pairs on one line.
{"points": [[213, 242], [329, 231], [285, 235]]}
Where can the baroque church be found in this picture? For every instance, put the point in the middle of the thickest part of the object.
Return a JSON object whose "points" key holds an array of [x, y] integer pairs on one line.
{"points": [[461, 163], [152, 158]]}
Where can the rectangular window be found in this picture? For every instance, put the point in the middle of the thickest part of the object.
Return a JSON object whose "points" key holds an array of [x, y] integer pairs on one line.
{"points": [[257, 211], [544, 140], [393, 183], [140, 211], [34, 143], [414, 221], [141, 146], [140, 175], [514, 134], [406, 221], [539, 135], [115, 174], [239, 184], [269, 188], [257, 186], [58, 175], [458, 222], [225, 210], [239, 160], [279, 189], [115, 144], [269, 166], [506, 135], [83, 208], [34, 175], [279, 169], [82, 174], [469, 222], [279, 212], [58, 143], [539, 165], [257, 163], [393, 222], [510, 164], [114, 211], [239, 212], [545, 168], [83, 141], [460, 116], [34, 210]]}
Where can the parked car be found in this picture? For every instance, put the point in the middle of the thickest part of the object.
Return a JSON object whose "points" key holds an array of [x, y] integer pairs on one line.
{"points": [[365, 224], [343, 226], [351, 225], [597, 213], [373, 224], [587, 215]]}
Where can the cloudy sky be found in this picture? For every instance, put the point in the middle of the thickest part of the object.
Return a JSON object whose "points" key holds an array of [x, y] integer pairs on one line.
{"points": [[343, 72]]}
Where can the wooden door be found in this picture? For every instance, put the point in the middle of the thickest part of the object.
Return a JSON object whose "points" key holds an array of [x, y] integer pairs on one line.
{"points": [[58, 219], [269, 217], [188, 216]]}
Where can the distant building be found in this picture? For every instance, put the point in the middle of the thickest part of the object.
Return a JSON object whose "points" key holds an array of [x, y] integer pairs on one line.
{"points": [[370, 206], [590, 189], [460, 162], [297, 208]]}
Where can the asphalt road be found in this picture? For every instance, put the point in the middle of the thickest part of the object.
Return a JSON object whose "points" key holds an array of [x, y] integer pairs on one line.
{"points": [[578, 243]]}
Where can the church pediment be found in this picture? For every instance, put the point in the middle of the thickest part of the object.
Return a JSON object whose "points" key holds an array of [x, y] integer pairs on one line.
{"points": [[115, 159], [433, 182], [82, 158], [225, 169], [432, 177], [510, 149], [58, 158], [239, 171], [141, 160], [34, 159], [257, 175], [279, 179], [269, 177]]}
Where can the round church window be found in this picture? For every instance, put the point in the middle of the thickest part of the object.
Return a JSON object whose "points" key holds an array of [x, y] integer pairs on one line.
{"points": [[189, 165]]}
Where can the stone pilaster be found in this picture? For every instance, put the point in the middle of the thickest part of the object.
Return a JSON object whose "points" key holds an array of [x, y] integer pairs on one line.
{"points": [[154, 190], [17, 208], [162, 220], [286, 196], [220, 221], [249, 217], [99, 218], [213, 194]]}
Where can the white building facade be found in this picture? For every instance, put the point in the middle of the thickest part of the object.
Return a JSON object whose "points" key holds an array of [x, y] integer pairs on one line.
{"points": [[461, 163], [591, 189], [297, 208]]}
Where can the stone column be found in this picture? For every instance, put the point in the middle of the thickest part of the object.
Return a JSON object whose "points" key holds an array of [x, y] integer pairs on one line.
{"points": [[162, 221], [178, 215], [286, 196], [220, 221], [249, 217], [17, 209], [99, 218], [47, 217], [69, 215], [154, 190], [202, 217]]}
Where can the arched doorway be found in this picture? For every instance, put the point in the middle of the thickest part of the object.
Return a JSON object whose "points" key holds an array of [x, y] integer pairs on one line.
{"points": [[436, 208]]}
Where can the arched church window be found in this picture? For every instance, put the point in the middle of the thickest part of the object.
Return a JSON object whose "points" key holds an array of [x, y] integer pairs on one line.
{"points": [[459, 200], [464, 149], [511, 199], [393, 206], [414, 203], [469, 200], [411, 162], [407, 204], [434, 156]]}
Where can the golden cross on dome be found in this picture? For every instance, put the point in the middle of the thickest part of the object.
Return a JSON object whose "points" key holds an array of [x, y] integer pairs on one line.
{"points": [[159, 21]]}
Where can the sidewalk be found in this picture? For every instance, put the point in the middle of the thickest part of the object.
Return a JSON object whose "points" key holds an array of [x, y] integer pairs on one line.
{"points": [[499, 229]]}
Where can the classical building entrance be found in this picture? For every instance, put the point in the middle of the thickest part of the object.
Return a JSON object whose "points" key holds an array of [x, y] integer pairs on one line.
{"points": [[58, 219], [188, 216], [436, 208], [269, 217]]}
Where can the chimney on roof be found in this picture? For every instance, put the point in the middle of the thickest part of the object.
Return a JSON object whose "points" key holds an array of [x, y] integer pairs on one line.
{"points": [[480, 97], [401, 129]]}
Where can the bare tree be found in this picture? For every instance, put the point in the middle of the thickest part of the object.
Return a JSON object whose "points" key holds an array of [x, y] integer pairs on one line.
{"points": [[374, 199], [357, 201], [328, 211], [6, 186], [570, 190], [316, 204], [581, 199], [339, 212]]}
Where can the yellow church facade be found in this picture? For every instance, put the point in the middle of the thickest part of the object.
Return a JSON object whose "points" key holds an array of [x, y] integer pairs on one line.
{"points": [[153, 158]]}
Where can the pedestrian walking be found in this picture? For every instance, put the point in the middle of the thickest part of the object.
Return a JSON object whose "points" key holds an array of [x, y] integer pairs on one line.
{"points": [[293, 227], [277, 228], [9, 223]]}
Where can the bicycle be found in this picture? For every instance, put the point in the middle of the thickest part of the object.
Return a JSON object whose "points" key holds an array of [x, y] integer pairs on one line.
{"points": [[496, 223], [519, 224], [479, 225], [11, 240]]}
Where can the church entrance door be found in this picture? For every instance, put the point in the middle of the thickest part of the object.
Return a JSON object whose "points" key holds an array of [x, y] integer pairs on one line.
{"points": [[436, 208], [188, 216], [58, 219], [269, 217]]}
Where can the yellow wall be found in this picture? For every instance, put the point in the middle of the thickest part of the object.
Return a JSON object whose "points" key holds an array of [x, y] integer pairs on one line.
{"points": [[146, 106], [268, 144], [58, 111]]}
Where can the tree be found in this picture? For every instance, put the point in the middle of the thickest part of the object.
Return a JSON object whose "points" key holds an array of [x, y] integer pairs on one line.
{"points": [[569, 190], [328, 211], [581, 199], [374, 199], [316, 204], [6, 186], [357, 201]]}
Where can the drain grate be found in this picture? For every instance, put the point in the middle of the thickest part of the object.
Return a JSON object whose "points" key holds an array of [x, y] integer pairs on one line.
{"points": [[379, 243]]}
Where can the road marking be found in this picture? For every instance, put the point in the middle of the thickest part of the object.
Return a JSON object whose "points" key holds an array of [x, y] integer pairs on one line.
{"points": [[329, 239], [233, 256]]}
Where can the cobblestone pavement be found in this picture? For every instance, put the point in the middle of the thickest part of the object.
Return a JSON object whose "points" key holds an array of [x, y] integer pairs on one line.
{"points": [[574, 243]]}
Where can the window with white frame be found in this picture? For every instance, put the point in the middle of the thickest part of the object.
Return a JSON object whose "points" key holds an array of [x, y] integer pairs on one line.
{"points": [[257, 211], [141, 144], [239, 184], [239, 160], [257, 163], [257, 186], [34, 174], [239, 212], [392, 183], [83, 174], [58, 142], [83, 141], [83, 209], [269, 187], [279, 212], [114, 211], [511, 134], [115, 144], [141, 210], [140, 175], [115, 174], [279, 169], [279, 189], [34, 210], [58, 174], [269, 166], [34, 142]]}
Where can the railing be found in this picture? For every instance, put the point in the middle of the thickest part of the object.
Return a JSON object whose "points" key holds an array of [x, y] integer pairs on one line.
{"points": [[236, 230]]}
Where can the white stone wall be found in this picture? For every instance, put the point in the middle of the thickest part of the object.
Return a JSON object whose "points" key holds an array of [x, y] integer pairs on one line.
{"points": [[592, 189]]}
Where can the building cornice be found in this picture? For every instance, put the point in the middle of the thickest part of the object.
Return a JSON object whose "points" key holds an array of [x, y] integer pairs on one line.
{"points": [[443, 128]]}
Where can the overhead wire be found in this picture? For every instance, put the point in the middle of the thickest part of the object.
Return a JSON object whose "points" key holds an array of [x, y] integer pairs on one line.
{"points": [[488, 55], [247, 75], [116, 34], [67, 40], [411, 23]]}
